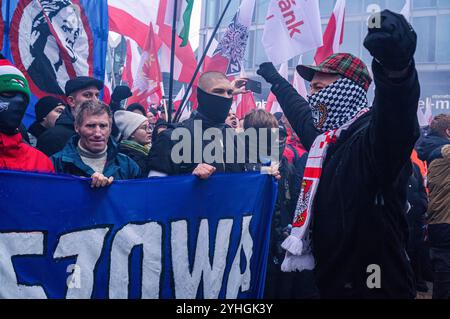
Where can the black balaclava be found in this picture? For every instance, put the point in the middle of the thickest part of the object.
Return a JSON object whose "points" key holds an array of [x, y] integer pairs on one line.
{"points": [[12, 110], [213, 107]]}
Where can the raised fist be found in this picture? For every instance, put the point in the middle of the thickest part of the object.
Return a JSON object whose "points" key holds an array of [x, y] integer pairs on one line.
{"points": [[393, 42]]}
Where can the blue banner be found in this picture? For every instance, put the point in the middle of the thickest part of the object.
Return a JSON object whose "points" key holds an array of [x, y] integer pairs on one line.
{"points": [[51, 41], [173, 237]]}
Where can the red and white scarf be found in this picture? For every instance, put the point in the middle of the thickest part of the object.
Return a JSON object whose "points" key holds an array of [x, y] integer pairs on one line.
{"points": [[298, 245]]}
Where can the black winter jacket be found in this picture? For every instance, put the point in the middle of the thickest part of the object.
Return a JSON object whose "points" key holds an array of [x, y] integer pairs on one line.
{"points": [[359, 208], [159, 158], [54, 139], [429, 147]]}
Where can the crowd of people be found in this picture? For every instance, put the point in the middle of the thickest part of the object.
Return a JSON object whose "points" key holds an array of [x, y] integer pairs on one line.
{"points": [[351, 191]]}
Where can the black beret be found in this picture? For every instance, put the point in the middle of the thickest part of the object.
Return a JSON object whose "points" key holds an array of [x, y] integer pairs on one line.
{"points": [[82, 82]]}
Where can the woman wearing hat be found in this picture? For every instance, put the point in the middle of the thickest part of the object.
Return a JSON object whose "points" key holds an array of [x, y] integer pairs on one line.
{"points": [[47, 111], [135, 137]]}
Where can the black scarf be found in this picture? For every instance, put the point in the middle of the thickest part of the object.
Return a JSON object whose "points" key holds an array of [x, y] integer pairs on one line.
{"points": [[213, 107]]}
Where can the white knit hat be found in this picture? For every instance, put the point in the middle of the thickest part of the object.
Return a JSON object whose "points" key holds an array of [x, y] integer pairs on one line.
{"points": [[128, 122]]}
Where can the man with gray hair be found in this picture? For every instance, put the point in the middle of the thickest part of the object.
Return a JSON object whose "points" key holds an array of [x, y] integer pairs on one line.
{"points": [[92, 153]]}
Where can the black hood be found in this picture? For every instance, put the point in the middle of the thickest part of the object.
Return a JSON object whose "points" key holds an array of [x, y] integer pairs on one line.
{"points": [[66, 118], [430, 145], [36, 129]]}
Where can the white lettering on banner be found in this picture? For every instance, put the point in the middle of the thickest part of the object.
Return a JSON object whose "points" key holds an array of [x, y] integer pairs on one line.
{"points": [[150, 237], [237, 280], [87, 246], [18, 244], [186, 282]]}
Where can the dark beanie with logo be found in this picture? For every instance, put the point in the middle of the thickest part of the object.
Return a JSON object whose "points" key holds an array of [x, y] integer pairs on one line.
{"points": [[45, 105]]}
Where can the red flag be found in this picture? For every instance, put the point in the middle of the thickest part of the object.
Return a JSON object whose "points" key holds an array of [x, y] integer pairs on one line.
{"points": [[132, 18], [334, 33], [244, 104], [147, 82], [272, 104]]}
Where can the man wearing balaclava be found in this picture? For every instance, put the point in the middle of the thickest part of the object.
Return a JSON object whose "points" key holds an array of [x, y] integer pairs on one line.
{"points": [[14, 98], [215, 97], [349, 223]]}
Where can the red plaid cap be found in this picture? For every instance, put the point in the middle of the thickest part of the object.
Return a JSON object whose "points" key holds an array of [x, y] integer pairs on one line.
{"points": [[344, 64]]}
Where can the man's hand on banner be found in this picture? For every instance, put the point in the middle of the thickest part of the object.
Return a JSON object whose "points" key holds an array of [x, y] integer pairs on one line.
{"points": [[393, 42], [100, 180], [120, 93], [273, 170], [268, 72], [204, 171], [239, 86]]}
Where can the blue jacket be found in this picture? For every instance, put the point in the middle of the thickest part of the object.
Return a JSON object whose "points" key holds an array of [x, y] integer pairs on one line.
{"points": [[118, 165]]}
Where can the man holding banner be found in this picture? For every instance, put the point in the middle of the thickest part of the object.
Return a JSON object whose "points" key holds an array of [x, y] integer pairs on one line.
{"points": [[358, 166], [92, 153], [215, 97]]}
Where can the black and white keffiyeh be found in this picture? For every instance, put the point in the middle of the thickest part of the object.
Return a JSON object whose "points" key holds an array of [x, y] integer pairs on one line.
{"points": [[336, 104]]}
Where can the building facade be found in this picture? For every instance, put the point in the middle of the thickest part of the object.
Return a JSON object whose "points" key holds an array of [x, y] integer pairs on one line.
{"points": [[430, 18]]}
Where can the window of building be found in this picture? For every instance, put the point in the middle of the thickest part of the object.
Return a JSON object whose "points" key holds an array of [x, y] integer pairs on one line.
{"points": [[380, 3], [352, 38], [442, 41], [353, 7], [395, 5], [261, 10], [248, 63], [260, 52], [444, 3], [326, 7], [212, 12], [426, 38], [421, 4]]}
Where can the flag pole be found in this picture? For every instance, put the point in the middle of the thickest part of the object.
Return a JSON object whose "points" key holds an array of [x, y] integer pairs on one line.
{"points": [[183, 101], [172, 59]]}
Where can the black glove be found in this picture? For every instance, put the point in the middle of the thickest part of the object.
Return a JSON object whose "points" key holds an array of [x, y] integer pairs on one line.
{"points": [[393, 42], [121, 92], [268, 72]]}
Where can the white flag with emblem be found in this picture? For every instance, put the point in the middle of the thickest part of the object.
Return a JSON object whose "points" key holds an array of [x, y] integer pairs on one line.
{"points": [[293, 26]]}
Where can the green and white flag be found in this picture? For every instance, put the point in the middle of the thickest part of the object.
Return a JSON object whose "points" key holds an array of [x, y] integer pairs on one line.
{"points": [[184, 12], [185, 23]]}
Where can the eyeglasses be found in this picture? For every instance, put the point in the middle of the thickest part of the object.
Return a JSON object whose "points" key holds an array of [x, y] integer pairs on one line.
{"points": [[146, 128]]}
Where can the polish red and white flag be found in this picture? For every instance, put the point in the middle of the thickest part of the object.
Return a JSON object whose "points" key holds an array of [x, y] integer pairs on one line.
{"points": [[334, 33], [147, 81], [132, 18]]}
